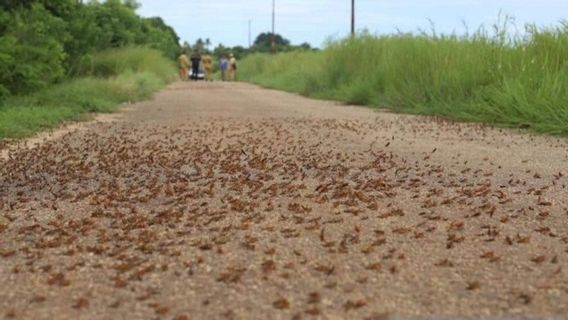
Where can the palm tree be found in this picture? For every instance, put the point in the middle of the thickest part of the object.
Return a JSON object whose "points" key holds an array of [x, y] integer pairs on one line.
{"points": [[207, 43]]}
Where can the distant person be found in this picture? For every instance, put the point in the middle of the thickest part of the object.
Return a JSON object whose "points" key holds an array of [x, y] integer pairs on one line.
{"points": [[195, 61], [233, 68], [183, 67], [224, 66], [208, 67]]}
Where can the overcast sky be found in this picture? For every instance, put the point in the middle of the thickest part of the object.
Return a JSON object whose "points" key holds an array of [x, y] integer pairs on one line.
{"points": [[313, 21]]}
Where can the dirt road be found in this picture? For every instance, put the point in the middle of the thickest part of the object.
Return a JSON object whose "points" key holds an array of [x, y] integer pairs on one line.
{"points": [[227, 201]]}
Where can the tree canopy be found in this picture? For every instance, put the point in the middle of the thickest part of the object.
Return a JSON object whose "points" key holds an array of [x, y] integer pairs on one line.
{"points": [[262, 43], [44, 41]]}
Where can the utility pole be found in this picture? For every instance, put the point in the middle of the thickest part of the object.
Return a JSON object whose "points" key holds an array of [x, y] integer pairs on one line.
{"points": [[250, 34], [352, 18], [273, 26]]}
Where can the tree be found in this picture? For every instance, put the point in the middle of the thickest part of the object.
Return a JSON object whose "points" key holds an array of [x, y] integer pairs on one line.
{"points": [[263, 42], [132, 4], [42, 41], [207, 43], [60, 8], [158, 35], [199, 45], [15, 4], [220, 50], [305, 46], [186, 47], [239, 51], [31, 50]]}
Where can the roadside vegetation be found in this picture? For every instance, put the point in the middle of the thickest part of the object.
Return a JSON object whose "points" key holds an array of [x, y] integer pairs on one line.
{"points": [[488, 76], [62, 59], [114, 77]]}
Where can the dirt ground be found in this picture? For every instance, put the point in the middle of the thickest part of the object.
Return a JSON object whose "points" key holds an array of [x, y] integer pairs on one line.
{"points": [[228, 201]]}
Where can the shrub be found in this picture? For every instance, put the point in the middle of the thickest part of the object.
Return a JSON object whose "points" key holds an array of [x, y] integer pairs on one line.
{"points": [[23, 115], [31, 55]]}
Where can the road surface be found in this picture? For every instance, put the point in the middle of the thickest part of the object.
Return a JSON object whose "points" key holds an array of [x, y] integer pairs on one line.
{"points": [[228, 201]]}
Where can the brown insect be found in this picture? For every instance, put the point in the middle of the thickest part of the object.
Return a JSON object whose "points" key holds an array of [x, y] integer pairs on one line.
{"points": [[58, 279], [490, 256], [326, 269], [354, 304], [81, 303], [473, 285], [538, 259], [281, 303]]}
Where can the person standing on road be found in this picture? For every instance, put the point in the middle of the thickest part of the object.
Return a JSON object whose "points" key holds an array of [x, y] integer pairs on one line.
{"points": [[208, 67], [183, 67], [224, 66], [195, 61], [233, 68]]}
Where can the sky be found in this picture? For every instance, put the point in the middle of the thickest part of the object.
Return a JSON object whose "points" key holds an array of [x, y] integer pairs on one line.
{"points": [[315, 21]]}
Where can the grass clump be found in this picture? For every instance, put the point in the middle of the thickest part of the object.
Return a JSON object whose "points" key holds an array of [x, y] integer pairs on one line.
{"points": [[130, 75], [490, 77]]}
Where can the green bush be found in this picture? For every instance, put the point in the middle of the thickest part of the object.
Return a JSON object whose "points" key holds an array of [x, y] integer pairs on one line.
{"points": [[44, 42], [45, 46], [31, 55], [495, 78], [23, 115]]}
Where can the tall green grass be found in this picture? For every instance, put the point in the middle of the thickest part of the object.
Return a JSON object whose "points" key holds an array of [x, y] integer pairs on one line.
{"points": [[114, 62], [494, 77], [110, 78]]}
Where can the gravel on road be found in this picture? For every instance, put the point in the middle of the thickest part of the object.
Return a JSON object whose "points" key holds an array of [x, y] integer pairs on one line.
{"points": [[228, 201]]}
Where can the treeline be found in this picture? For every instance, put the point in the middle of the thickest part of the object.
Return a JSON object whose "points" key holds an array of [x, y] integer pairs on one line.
{"points": [[43, 41], [262, 44]]}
